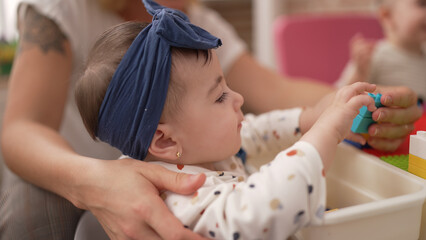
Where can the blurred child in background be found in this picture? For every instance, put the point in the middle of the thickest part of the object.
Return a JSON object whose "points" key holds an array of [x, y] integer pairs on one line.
{"points": [[400, 58]]}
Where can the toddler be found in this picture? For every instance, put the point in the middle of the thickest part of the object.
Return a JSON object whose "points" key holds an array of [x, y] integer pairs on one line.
{"points": [[399, 59], [157, 93]]}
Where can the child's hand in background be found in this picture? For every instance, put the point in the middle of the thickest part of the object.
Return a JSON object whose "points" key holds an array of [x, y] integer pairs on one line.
{"points": [[361, 51], [335, 122]]}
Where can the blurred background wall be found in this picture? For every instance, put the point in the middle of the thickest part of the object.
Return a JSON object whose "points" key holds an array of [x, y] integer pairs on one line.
{"points": [[253, 18]]}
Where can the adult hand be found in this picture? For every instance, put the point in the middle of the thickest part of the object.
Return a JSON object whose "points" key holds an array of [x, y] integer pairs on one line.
{"points": [[124, 196], [395, 120]]}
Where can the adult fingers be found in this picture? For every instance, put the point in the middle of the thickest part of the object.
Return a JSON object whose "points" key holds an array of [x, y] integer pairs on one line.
{"points": [[388, 145], [142, 232], [145, 232], [390, 131], [166, 224], [165, 179], [109, 232], [397, 96], [407, 115], [134, 227]]}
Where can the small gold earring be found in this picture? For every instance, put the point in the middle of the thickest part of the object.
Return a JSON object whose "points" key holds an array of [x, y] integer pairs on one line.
{"points": [[178, 154]]}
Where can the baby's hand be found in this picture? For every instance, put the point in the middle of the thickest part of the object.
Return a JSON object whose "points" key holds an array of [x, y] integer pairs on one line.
{"points": [[361, 52], [335, 122], [338, 117]]}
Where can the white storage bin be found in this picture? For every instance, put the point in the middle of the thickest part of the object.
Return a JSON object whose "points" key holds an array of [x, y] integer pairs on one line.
{"points": [[375, 200]]}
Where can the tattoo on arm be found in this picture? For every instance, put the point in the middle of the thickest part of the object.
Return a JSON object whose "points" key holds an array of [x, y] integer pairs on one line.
{"points": [[40, 31]]}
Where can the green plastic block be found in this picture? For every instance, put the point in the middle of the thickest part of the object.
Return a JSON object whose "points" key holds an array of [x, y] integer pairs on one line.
{"points": [[400, 161]]}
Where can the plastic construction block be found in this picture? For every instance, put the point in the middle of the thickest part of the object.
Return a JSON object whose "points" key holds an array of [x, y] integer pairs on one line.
{"points": [[400, 161], [416, 161], [361, 124], [363, 120], [416, 170], [417, 156], [418, 144]]}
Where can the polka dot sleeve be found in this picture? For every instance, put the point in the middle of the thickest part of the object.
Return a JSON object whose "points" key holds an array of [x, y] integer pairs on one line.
{"points": [[271, 132], [274, 203]]}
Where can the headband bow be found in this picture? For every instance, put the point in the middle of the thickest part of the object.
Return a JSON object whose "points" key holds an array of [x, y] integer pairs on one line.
{"points": [[133, 103]]}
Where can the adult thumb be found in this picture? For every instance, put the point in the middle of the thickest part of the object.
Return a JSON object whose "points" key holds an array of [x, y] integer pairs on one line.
{"points": [[164, 179]]}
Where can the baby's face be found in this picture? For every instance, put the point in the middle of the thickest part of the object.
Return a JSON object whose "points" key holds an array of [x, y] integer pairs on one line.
{"points": [[408, 21], [209, 123]]}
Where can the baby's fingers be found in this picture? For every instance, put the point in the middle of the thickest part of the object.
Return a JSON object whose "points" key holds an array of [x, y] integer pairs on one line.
{"points": [[348, 92], [358, 101], [355, 137], [361, 87]]}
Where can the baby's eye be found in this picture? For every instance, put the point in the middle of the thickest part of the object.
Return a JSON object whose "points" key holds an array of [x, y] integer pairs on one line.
{"points": [[222, 97], [421, 3]]}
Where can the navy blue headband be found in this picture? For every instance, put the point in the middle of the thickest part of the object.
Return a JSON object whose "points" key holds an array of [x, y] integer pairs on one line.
{"points": [[133, 103]]}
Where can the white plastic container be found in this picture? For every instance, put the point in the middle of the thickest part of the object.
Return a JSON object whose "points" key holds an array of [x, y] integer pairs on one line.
{"points": [[375, 200]]}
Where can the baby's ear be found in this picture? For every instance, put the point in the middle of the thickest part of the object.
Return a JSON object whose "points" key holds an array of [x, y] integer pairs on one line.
{"points": [[163, 144]]}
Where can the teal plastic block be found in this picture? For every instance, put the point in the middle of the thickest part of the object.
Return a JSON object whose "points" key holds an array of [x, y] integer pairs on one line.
{"points": [[361, 124], [363, 112], [376, 99], [363, 120]]}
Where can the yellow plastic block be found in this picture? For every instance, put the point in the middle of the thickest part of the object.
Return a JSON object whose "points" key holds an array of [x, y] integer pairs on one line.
{"points": [[417, 171], [417, 166], [417, 161]]}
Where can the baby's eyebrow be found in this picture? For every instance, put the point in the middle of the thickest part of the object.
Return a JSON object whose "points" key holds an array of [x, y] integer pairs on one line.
{"points": [[216, 84]]}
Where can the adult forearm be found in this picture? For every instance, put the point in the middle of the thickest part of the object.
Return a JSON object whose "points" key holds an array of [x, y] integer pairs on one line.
{"points": [[41, 156]]}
